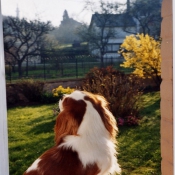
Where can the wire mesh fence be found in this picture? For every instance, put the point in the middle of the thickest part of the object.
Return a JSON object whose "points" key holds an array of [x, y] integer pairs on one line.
{"points": [[58, 68]]}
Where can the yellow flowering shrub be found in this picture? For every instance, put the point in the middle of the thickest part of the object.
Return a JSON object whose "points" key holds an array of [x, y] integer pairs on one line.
{"points": [[61, 90], [142, 53]]}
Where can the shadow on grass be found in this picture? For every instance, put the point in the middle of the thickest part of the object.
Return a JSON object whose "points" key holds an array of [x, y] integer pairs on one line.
{"points": [[150, 109], [23, 155], [39, 126]]}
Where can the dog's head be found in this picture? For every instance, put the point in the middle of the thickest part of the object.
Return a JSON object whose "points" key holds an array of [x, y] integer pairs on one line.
{"points": [[83, 113]]}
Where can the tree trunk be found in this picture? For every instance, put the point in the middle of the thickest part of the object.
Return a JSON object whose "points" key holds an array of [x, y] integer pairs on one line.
{"points": [[101, 60], [27, 65]]}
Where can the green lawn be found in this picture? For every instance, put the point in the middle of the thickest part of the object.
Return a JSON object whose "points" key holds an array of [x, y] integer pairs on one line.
{"points": [[139, 147], [31, 133]]}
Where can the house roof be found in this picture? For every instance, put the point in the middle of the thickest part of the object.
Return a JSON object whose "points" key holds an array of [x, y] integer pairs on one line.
{"points": [[112, 20]]}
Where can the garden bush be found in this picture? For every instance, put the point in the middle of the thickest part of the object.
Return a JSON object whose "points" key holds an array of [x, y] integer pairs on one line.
{"points": [[59, 91], [142, 53], [48, 98], [31, 89], [55, 95], [121, 91], [26, 92]]}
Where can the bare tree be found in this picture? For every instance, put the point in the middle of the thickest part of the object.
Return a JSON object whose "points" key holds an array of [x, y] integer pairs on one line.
{"points": [[23, 39], [99, 32], [148, 14]]}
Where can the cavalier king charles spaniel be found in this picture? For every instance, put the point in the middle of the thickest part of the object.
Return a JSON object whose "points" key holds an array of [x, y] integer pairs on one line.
{"points": [[85, 136]]}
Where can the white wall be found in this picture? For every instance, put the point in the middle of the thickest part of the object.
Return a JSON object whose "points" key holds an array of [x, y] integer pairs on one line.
{"points": [[120, 35], [4, 163]]}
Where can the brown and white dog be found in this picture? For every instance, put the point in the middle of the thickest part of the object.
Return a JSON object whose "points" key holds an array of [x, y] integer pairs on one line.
{"points": [[85, 136]]}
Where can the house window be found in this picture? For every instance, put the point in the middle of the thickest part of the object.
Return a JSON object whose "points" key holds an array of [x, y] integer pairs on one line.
{"points": [[116, 47], [112, 47]]}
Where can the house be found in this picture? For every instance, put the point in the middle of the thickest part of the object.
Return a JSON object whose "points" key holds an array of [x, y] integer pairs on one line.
{"points": [[114, 28]]}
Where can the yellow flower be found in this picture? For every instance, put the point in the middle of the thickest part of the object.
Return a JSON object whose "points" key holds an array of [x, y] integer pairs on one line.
{"points": [[142, 53], [60, 90]]}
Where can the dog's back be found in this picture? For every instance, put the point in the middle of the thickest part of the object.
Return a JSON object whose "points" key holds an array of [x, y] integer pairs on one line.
{"points": [[59, 161]]}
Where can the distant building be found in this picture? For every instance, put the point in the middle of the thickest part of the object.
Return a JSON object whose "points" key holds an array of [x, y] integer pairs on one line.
{"points": [[66, 32], [69, 21], [117, 23]]}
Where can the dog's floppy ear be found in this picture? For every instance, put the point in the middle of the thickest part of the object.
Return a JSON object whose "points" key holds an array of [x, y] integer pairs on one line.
{"points": [[65, 125], [108, 118], [101, 105], [69, 119]]}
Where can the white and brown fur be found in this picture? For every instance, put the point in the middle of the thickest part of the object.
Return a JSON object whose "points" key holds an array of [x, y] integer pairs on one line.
{"points": [[85, 136]]}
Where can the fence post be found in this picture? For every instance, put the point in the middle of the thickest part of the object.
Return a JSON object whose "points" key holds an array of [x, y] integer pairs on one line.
{"points": [[44, 68], [27, 64], [4, 162], [61, 67], [76, 67], [10, 73]]}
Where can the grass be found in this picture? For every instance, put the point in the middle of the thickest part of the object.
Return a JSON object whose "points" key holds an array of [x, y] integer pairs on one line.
{"points": [[31, 133], [139, 147]]}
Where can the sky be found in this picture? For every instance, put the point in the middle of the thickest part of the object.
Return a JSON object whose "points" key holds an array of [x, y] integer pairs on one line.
{"points": [[49, 10]]}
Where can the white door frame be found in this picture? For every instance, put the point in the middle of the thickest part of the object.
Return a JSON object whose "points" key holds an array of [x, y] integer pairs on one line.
{"points": [[4, 158]]}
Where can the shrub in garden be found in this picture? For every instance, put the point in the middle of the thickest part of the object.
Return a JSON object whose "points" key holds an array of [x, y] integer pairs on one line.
{"points": [[12, 95], [47, 98], [59, 91], [122, 92], [26, 91], [142, 53], [31, 89], [56, 94]]}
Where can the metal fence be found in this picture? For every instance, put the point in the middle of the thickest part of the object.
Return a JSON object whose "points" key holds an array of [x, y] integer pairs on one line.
{"points": [[59, 68]]}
